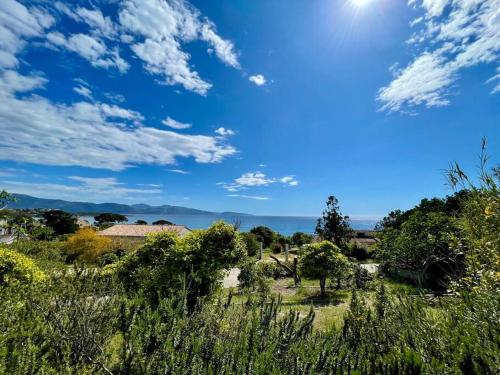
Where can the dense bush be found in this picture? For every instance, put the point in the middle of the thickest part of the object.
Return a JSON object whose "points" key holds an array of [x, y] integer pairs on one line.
{"points": [[252, 243], [421, 240], [17, 268], [264, 235], [300, 238], [252, 278], [271, 269], [87, 245], [45, 252], [194, 263], [41, 233], [276, 248]]}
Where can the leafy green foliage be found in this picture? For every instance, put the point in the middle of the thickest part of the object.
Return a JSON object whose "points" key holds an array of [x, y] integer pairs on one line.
{"points": [[479, 225], [252, 243], [333, 226], [42, 233], [61, 222], [106, 218], [194, 263], [276, 248], [264, 235], [301, 238], [421, 240], [162, 222], [252, 278], [322, 260], [141, 222], [5, 199]]}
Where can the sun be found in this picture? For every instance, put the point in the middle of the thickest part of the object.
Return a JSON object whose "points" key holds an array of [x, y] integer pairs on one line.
{"points": [[360, 3]]}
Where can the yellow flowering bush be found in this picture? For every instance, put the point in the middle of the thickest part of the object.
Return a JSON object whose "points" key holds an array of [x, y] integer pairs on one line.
{"points": [[16, 267], [87, 245]]}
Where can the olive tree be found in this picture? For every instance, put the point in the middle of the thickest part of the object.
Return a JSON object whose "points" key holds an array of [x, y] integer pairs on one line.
{"points": [[322, 260]]}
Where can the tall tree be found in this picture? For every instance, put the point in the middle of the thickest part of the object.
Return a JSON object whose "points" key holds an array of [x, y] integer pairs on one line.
{"points": [[60, 221], [333, 226]]}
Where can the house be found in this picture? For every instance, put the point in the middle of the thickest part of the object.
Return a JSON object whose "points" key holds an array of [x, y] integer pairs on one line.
{"points": [[137, 233], [365, 238], [82, 223]]}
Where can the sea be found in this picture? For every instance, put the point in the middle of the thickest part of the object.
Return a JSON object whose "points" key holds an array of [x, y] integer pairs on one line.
{"points": [[286, 225]]}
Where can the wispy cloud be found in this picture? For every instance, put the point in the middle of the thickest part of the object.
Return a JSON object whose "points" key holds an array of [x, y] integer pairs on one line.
{"points": [[454, 35], [180, 171], [170, 122], [256, 179], [255, 197], [83, 91], [258, 79]]}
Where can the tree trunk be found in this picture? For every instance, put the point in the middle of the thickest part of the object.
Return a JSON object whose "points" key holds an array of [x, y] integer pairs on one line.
{"points": [[322, 285]]}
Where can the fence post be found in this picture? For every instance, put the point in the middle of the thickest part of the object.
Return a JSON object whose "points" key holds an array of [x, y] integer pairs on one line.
{"points": [[286, 253]]}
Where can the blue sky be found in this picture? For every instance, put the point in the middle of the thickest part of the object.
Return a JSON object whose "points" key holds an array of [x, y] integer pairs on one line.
{"points": [[263, 106]]}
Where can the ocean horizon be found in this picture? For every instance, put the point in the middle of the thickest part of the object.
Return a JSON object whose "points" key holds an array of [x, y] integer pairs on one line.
{"points": [[286, 225]]}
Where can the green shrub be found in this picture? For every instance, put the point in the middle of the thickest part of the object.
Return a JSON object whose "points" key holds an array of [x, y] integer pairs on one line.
{"points": [[276, 248], [251, 243], [270, 269], [252, 278]]}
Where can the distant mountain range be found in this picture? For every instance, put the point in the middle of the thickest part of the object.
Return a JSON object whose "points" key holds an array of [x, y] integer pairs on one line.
{"points": [[29, 202]]}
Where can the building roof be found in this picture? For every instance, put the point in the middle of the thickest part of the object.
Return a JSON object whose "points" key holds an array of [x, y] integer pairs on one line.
{"points": [[134, 230]]}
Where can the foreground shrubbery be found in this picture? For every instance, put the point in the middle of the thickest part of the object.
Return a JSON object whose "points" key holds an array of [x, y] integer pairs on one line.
{"points": [[83, 324]]}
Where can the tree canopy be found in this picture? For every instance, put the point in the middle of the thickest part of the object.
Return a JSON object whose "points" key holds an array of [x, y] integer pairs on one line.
{"points": [[321, 261], [162, 222], [108, 217], [194, 263], [264, 235], [333, 226], [60, 221]]}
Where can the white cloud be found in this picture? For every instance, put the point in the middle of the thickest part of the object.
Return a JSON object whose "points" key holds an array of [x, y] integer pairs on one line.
{"points": [[160, 28], [17, 24], [255, 197], [13, 82], [83, 91], [224, 49], [91, 49], [453, 35], [223, 132], [86, 188], [93, 135], [156, 31], [256, 179], [425, 81], [170, 122], [258, 79], [179, 171]]}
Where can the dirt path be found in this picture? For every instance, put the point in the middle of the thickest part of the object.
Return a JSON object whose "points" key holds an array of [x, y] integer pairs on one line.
{"points": [[231, 279]]}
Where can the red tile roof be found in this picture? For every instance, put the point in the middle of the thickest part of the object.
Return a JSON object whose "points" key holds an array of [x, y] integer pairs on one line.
{"points": [[133, 230]]}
